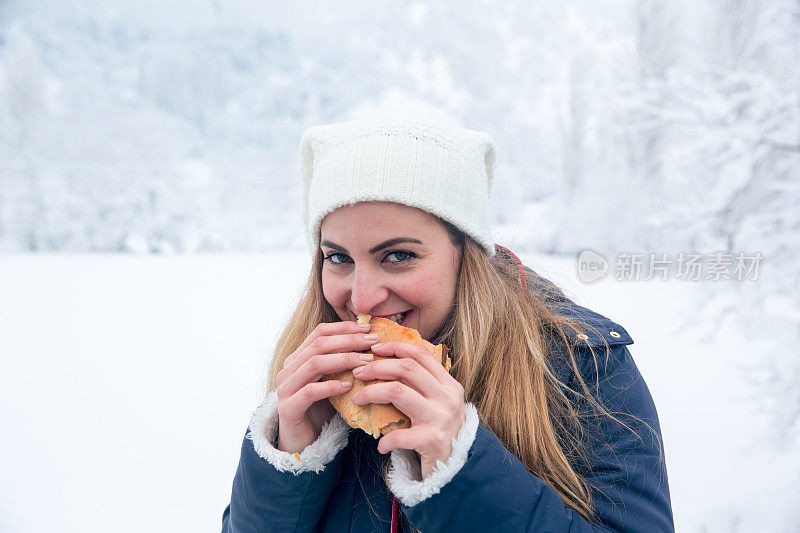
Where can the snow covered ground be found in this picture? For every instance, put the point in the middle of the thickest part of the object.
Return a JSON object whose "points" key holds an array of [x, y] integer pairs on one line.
{"points": [[127, 383]]}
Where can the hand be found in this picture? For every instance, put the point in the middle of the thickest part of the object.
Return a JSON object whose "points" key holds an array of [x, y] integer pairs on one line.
{"points": [[419, 386], [303, 405]]}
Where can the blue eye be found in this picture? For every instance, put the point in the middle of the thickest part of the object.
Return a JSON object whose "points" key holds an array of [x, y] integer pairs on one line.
{"points": [[337, 258], [399, 256]]}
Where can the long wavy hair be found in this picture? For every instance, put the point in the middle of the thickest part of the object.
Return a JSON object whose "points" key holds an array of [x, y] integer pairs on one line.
{"points": [[502, 339]]}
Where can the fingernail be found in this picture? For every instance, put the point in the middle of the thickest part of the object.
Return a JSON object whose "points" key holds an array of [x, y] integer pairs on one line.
{"points": [[365, 326], [357, 370], [377, 345], [371, 337], [347, 384], [366, 357]]}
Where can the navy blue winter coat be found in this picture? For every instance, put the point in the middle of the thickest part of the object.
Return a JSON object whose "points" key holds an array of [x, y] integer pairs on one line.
{"points": [[492, 490]]}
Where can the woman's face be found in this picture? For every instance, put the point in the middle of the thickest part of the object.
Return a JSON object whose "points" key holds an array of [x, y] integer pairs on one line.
{"points": [[389, 260]]}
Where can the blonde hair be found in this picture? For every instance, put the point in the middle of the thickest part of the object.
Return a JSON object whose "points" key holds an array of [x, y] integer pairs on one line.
{"points": [[501, 337]]}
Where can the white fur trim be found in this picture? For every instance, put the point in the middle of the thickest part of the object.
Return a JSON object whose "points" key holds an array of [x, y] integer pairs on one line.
{"points": [[264, 428], [404, 478]]}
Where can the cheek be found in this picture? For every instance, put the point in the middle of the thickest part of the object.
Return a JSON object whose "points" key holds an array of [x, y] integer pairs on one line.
{"points": [[428, 289], [332, 291]]}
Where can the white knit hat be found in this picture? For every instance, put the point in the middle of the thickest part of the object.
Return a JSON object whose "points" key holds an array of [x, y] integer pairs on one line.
{"points": [[417, 161]]}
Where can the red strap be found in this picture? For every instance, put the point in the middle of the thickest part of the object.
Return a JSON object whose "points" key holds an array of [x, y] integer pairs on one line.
{"points": [[395, 514], [522, 275]]}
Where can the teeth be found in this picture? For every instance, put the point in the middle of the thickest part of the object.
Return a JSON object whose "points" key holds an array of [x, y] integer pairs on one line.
{"points": [[397, 318]]}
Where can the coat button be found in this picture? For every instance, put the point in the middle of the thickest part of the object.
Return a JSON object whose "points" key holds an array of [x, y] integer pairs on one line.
{"points": [[583, 336], [615, 334]]}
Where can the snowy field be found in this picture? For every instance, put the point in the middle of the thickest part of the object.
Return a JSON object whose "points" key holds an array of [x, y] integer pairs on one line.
{"points": [[127, 384], [143, 131]]}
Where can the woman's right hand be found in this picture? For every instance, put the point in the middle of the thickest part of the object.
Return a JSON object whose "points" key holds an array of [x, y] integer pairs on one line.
{"points": [[303, 404]]}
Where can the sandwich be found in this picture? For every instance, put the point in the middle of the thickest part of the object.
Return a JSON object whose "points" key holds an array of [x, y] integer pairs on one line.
{"points": [[380, 419]]}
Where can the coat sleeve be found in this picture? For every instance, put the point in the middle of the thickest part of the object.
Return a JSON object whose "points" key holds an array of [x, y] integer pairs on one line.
{"points": [[486, 488], [280, 491]]}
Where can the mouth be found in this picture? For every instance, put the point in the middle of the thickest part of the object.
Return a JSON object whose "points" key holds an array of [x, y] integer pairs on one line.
{"points": [[397, 318]]}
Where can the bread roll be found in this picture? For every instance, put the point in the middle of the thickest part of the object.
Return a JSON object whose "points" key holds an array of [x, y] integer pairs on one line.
{"points": [[380, 419]]}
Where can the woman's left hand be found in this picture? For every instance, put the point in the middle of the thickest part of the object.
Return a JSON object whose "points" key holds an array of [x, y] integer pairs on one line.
{"points": [[419, 386]]}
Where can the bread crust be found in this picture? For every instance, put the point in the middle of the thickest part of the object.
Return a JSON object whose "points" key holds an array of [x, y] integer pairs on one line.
{"points": [[380, 419]]}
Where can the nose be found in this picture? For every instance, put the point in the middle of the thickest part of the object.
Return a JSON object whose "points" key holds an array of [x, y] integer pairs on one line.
{"points": [[368, 290]]}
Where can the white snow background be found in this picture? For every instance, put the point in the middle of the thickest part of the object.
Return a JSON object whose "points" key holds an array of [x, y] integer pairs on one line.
{"points": [[152, 240]]}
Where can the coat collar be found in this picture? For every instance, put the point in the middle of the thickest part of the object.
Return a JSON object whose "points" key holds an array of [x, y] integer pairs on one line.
{"points": [[597, 331]]}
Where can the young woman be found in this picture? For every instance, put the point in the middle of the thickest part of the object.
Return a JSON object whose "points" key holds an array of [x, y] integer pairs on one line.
{"points": [[543, 422]]}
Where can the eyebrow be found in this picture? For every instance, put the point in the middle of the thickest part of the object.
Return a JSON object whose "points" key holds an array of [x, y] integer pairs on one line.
{"points": [[378, 248]]}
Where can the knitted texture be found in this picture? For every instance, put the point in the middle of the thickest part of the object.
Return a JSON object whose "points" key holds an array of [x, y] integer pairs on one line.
{"points": [[432, 165]]}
